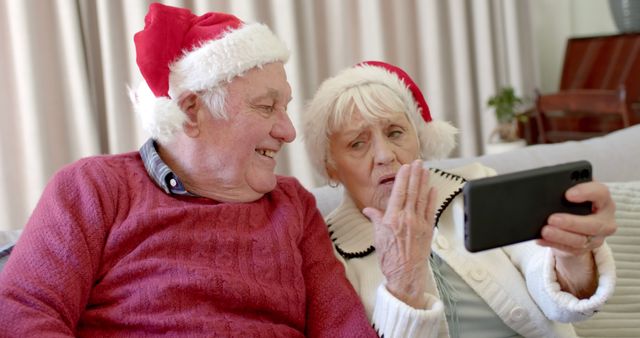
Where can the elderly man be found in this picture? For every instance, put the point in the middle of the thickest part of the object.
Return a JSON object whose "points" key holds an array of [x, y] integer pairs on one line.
{"points": [[194, 235]]}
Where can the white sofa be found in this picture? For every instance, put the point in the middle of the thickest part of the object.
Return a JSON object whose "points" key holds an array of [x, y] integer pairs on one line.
{"points": [[616, 161], [615, 158]]}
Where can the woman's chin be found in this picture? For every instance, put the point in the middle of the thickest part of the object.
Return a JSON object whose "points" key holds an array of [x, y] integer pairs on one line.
{"points": [[381, 198]]}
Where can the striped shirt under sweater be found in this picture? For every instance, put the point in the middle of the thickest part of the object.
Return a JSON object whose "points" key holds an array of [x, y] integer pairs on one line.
{"points": [[107, 252]]}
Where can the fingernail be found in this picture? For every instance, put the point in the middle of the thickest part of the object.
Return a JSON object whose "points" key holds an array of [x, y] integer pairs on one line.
{"points": [[556, 219], [573, 192]]}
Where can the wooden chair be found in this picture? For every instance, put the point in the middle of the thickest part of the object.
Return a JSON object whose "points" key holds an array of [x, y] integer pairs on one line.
{"points": [[580, 114], [599, 90]]}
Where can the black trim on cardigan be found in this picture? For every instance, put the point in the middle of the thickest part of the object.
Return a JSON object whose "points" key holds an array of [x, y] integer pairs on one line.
{"points": [[360, 254], [447, 200], [349, 255], [377, 331]]}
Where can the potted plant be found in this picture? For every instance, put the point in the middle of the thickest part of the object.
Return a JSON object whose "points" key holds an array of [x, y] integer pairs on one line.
{"points": [[506, 105]]}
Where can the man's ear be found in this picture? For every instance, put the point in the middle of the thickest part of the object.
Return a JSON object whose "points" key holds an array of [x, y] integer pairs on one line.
{"points": [[190, 105]]}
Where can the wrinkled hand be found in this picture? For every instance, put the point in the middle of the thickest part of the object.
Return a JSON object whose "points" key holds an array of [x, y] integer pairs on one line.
{"points": [[573, 237], [403, 234]]}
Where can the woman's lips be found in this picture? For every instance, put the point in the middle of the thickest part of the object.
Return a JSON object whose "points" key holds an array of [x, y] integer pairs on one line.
{"points": [[387, 179]]}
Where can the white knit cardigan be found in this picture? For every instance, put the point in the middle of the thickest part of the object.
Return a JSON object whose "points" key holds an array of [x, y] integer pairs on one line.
{"points": [[518, 282]]}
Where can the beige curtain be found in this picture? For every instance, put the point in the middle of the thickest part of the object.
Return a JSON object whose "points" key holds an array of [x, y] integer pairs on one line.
{"points": [[65, 66]]}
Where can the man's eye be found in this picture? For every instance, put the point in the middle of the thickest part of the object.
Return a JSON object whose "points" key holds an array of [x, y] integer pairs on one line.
{"points": [[266, 109]]}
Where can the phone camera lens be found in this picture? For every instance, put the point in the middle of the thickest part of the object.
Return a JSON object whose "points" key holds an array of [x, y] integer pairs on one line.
{"points": [[575, 176], [584, 174]]}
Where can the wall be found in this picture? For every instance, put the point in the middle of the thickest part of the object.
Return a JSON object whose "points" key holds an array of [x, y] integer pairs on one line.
{"points": [[554, 22]]}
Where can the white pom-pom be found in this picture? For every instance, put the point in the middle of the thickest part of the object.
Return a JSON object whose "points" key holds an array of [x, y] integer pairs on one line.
{"points": [[437, 139], [160, 116]]}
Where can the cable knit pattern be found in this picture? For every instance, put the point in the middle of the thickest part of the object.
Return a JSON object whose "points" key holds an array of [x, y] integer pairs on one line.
{"points": [[620, 315], [395, 319], [572, 309], [108, 253]]}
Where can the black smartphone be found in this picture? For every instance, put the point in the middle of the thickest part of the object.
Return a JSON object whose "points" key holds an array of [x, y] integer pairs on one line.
{"points": [[512, 208]]}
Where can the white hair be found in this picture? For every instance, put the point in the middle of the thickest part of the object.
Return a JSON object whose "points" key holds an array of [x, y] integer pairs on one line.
{"points": [[375, 92], [373, 101], [205, 70], [161, 117], [215, 98]]}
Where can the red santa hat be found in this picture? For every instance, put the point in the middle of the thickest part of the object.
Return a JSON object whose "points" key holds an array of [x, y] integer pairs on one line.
{"points": [[437, 138], [178, 51]]}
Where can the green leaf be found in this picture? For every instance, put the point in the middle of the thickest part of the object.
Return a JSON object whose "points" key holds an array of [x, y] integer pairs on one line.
{"points": [[504, 104]]}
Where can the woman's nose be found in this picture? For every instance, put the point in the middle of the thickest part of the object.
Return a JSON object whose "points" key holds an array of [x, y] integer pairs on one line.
{"points": [[383, 152], [283, 128]]}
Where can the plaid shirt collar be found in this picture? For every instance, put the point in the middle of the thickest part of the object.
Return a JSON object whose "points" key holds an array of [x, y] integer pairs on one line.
{"points": [[164, 177]]}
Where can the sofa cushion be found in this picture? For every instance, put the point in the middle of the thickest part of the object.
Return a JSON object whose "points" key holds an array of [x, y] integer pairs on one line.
{"points": [[7, 239], [615, 157], [4, 255], [620, 316]]}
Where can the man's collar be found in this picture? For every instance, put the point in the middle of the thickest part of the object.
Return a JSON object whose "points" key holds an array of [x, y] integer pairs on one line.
{"points": [[161, 174]]}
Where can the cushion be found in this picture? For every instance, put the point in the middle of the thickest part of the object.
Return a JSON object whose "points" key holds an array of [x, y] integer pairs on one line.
{"points": [[614, 157], [7, 239], [4, 255], [327, 198], [620, 316]]}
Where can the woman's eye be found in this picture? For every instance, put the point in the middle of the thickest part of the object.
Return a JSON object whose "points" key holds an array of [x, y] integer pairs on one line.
{"points": [[395, 133], [356, 145]]}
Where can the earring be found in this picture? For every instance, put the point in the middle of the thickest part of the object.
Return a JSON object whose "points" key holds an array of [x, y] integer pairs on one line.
{"points": [[333, 184]]}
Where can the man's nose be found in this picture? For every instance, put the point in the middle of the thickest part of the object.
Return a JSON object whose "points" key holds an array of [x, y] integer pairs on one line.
{"points": [[283, 128]]}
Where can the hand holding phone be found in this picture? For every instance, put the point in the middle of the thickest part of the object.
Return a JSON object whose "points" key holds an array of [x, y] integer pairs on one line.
{"points": [[512, 208]]}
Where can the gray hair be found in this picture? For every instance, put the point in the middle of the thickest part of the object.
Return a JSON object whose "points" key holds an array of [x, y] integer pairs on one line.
{"points": [[374, 101], [215, 99], [161, 117], [374, 91]]}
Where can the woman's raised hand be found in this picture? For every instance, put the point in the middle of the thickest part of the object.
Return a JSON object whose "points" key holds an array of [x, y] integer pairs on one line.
{"points": [[403, 234]]}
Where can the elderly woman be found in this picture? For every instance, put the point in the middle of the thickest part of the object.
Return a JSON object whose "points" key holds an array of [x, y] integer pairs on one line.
{"points": [[369, 127]]}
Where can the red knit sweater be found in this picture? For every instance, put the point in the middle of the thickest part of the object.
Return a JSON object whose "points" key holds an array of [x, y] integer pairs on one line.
{"points": [[108, 253]]}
